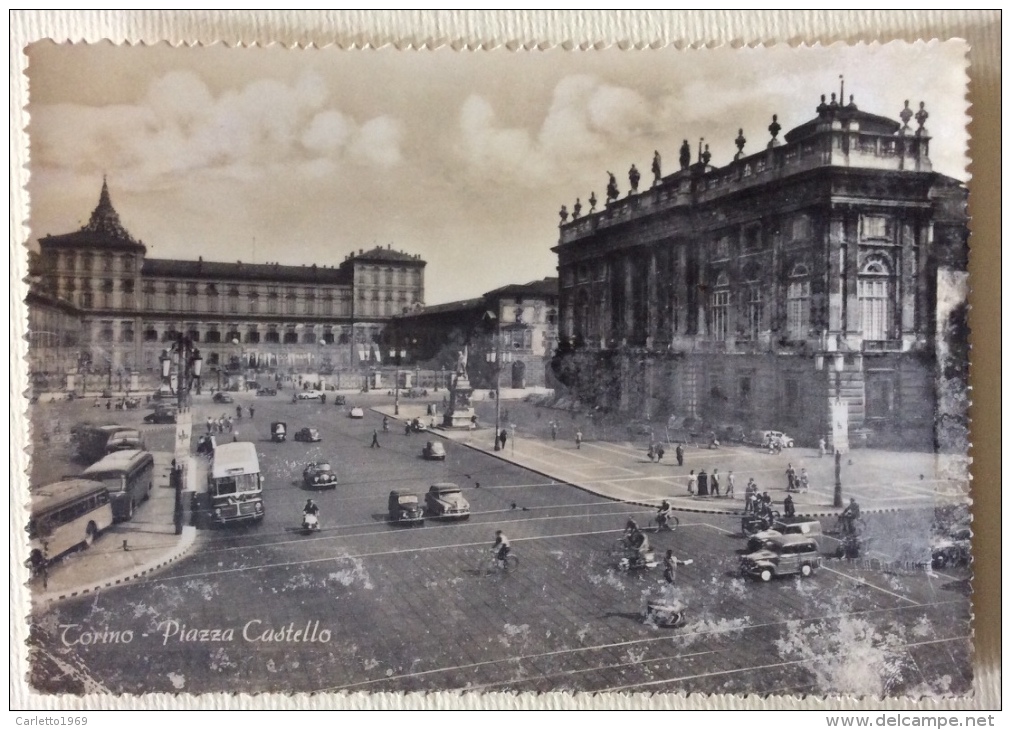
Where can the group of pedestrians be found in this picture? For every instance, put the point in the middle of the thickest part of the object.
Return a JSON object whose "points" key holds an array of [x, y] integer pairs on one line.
{"points": [[704, 484], [221, 424]]}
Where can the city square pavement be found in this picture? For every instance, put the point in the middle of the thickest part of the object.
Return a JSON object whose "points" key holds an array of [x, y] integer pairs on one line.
{"points": [[620, 469]]}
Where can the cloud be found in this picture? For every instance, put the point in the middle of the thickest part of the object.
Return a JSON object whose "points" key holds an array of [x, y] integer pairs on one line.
{"points": [[179, 126], [585, 116]]}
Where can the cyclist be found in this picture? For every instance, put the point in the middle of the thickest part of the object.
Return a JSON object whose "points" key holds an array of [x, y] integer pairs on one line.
{"points": [[663, 514], [501, 548], [849, 516]]}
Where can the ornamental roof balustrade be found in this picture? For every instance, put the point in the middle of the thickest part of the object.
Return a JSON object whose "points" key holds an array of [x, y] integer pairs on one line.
{"points": [[843, 136]]}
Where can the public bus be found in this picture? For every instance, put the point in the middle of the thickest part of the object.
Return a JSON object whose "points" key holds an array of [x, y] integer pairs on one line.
{"points": [[129, 477], [234, 484], [65, 515]]}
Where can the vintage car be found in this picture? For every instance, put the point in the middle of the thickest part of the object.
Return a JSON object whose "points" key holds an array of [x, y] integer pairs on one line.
{"points": [[222, 398], [161, 414], [340, 400], [783, 555], [319, 475], [356, 412], [309, 435], [131, 402], [206, 445], [164, 392], [446, 500], [278, 431], [266, 391], [434, 451], [811, 528], [125, 440], [405, 509], [306, 395], [765, 439], [952, 550]]}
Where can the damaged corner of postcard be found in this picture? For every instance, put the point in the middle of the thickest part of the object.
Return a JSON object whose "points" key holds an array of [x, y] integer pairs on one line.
{"points": [[405, 371]]}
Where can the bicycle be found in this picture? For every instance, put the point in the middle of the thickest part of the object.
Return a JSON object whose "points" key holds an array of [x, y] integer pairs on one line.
{"points": [[859, 526], [670, 524], [488, 565]]}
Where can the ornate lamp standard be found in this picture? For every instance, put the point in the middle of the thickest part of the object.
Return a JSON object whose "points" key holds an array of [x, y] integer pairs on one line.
{"points": [[398, 354], [189, 369], [496, 357]]}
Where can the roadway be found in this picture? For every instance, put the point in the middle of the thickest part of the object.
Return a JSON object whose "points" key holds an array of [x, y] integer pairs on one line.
{"points": [[406, 609]]}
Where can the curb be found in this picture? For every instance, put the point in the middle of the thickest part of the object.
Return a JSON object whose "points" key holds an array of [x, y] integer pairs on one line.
{"points": [[186, 541], [833, 512]]}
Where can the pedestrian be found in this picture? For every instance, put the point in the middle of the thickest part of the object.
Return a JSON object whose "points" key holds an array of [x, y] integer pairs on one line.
{"points": [[730, 484], [703, 483], [821, 447], [230, 423], [579, 438], [407, 428], [659, 453], [209, 424], [375, 438], [750, 492], [650, 452], [692, 482], [502, 436], [235, 435], [238, 413], [679, 452], [322, 402], [791, 478], [714, 483], [788, 509], [554, 430], [251, 411]]}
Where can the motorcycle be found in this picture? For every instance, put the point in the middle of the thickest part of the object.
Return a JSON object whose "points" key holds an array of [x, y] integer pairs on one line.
{"points": [[310, 523], [752, 523]]}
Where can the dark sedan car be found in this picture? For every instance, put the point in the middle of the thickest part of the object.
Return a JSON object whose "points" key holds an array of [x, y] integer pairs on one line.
{"points": [[223, 398], [405, 509], [161, 414], [309, 435], [266, 391], [319, 475]]}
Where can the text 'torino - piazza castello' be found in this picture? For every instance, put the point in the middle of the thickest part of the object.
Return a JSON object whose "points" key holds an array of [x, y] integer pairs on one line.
{"points": [[799, 275]]}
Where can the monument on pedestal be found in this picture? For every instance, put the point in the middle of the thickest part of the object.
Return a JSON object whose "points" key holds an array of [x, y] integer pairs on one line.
{"points": [[459, 413]]}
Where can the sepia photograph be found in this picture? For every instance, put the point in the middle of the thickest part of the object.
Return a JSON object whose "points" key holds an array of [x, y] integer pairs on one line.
{"points": [[587, 371]]}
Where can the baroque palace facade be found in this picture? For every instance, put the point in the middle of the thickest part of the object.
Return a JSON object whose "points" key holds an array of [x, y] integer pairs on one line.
{"points": [[769, 292], [120, 310]]}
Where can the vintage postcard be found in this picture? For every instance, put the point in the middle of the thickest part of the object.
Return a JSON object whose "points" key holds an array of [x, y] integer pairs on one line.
{"points": [[399, 371]]}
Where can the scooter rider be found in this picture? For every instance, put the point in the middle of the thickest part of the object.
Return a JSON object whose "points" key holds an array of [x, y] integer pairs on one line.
{"points": [[501, 548], [310, 508], [849, 516]]}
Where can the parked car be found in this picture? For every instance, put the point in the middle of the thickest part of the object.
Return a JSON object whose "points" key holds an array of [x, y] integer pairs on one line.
{"points": [[340, 400], [309, 435], [356, 412], [765, 439], [404, 509], [810, 528], [131, 402], [319, 475], [434, 451], [952, 550], [125, 440], [446, 500], [783, 555], [164, 392], [161, 414], [306, 395], [222, 398], [278, 431], [266, 391]]}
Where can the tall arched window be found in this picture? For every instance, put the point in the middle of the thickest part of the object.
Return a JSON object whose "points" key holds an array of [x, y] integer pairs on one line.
{"points": [[754, 303], [719, 308], [582, 312], [874, 294], [798, 303]]}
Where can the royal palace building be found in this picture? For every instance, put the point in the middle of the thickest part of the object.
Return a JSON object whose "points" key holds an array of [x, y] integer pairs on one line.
{"points": [[774, 291], [124, 308]]}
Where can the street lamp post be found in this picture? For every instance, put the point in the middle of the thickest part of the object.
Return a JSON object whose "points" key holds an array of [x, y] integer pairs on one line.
{"points": [[496, 357], [398, 354]]}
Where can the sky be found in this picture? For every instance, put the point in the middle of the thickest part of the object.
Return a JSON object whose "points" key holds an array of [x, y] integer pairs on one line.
{"points": [[304, 156]]}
